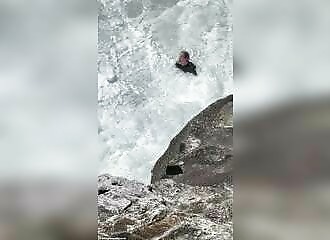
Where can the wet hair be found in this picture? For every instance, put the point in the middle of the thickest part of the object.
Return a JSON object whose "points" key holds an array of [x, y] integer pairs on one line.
{"points": [[185, 54]]}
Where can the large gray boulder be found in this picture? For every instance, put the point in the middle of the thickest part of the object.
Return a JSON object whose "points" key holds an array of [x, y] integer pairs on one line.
{"points": [[201, 154]]}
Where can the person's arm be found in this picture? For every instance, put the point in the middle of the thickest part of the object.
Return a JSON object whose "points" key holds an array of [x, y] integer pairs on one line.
{"points": [[194, 71]]}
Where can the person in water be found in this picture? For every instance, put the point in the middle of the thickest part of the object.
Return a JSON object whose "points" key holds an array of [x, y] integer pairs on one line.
{"points": [[184, 64]]}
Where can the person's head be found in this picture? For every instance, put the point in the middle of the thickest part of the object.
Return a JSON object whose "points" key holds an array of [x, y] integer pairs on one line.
{"points": [[184, 58]]}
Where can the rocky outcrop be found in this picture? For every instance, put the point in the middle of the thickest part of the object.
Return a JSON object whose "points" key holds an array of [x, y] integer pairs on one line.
{"points": [[169, 210], [191, 192], [201, 154]]}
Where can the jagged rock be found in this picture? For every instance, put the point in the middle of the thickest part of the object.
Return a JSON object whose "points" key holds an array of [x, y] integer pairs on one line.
{"points": [[189, 197], [171, 211], [201, 154]]}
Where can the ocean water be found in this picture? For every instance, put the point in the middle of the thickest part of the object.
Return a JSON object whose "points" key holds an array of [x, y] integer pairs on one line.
{"points": [[143, 101]]}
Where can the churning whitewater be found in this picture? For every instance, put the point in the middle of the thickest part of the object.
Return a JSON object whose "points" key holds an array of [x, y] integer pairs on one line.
{"points": [[144, 101]]}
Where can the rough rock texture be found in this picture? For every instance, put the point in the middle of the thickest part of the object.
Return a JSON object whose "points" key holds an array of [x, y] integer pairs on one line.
{"points": [[191, 192], [201, 154], [168, 210]]}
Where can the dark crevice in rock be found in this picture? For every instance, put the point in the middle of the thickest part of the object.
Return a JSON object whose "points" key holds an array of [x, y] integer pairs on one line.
{"points": [[128, 206], [115, 183], [173, 170], [163, 202], [102, 191]]}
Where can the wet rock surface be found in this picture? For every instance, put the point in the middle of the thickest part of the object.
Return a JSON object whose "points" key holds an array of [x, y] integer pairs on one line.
{"points": [[201, 154], [191, 193], [129, 210]]}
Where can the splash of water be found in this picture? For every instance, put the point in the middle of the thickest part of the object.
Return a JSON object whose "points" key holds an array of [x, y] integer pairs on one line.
{"points": [[143, 100]]}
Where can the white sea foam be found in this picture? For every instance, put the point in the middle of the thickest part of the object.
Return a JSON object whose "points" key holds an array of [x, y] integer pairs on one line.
{"points": [[143, 100]]}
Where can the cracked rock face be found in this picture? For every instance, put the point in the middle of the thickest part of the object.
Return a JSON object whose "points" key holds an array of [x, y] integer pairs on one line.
{"points": [[131, 210], [201, 154]]}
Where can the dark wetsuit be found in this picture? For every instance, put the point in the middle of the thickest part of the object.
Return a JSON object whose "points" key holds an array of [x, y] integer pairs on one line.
{"points": [[190, 67]]}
